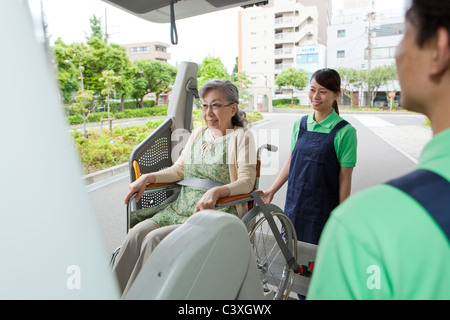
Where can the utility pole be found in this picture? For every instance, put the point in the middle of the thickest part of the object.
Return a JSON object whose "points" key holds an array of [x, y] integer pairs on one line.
{"points": [[106, 27], [370, 19]]}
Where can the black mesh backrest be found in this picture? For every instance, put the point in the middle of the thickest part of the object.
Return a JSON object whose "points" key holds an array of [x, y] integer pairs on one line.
{"points": [[153, 154]]}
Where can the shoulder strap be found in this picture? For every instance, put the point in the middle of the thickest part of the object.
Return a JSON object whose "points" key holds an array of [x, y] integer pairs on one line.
{"points": [[432, 191], [303, 123], [340, 125]]}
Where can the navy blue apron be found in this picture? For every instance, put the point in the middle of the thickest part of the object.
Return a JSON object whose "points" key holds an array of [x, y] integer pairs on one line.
{"points": [[431, 191], [313, 182]]}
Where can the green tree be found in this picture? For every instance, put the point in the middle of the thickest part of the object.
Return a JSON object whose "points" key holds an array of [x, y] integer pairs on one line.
{"points": [[96, 28], [67, 71], [109, 80], [376, 78], [79, 54], [211, 68], [242, 82], [83, 105], [117, 60], [292, 78], [350, 81], [151, 76], [93, 58], [236, 66]]}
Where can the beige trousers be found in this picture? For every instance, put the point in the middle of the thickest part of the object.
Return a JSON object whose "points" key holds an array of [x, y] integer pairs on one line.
{"points": [[136, 248]]}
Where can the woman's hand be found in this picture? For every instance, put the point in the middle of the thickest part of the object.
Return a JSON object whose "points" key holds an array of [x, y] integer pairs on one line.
{"points": [[138, 186], [268, 196], [209, 199]]}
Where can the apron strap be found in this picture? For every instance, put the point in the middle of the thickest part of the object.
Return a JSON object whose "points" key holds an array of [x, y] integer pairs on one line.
{"points": [[431, 191], [339, 126], [303, 123]]}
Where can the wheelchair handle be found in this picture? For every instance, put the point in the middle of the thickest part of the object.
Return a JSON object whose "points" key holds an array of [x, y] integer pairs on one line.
{"points": [[268, 147]]}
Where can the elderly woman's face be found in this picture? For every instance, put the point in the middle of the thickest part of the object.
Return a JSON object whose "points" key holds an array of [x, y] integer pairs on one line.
{"points": [[217, 111]]}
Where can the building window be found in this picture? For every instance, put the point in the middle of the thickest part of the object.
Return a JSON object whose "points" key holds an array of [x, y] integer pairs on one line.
{"points": [[341, 33], [381, 53], [138, 50], [341, 53], [160, 49], [307, 58], [386, 30]]}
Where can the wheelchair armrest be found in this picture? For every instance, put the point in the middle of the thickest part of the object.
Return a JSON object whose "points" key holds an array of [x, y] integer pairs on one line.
{"points": [[233, 200], [156, 187], [151, 188]]}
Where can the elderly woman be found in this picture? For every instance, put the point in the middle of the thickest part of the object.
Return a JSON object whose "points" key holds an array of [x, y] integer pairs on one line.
{"points": [[222, 151]]}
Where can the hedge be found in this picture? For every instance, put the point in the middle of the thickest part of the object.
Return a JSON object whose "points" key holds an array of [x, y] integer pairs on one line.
{"points": [[128, 113]]}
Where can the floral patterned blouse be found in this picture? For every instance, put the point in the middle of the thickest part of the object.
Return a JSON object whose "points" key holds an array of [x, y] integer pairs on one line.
{"points": [[206, 160]]}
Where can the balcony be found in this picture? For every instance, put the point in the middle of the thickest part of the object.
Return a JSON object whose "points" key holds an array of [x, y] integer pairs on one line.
{"points": [[284, 22], [283, 53], [282, 66], [284, 37]]}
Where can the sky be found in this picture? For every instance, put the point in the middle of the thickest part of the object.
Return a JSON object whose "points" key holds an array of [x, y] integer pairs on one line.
{"points": [[214, 34]]}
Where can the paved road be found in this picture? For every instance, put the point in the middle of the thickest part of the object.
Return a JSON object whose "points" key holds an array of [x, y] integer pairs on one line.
{"points": [[388, 145]]}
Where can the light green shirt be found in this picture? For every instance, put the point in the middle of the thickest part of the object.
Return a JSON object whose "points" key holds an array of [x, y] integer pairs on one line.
{"points": [[381, 244], [345, 140]]}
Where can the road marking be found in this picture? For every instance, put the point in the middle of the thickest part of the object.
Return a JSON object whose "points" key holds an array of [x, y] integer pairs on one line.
{"points": [[396, 147], [372, 121], [409, 140]]}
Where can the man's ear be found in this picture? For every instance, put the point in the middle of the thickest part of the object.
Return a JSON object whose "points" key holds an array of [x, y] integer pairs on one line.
{"points": [[441, 54]]}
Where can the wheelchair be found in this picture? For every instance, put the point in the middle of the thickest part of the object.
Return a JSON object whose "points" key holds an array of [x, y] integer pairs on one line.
{"points": [[271, 233]]}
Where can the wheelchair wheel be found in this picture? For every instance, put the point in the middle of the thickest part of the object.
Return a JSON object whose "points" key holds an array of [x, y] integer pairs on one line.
{"points": [[276, 275]]}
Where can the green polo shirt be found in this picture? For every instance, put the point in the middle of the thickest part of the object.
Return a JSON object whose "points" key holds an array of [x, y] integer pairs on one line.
{"points": [[345, 140], [381, 244]]}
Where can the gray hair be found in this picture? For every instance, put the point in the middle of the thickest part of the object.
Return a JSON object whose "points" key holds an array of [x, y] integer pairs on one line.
{"points": [[231, 94]]}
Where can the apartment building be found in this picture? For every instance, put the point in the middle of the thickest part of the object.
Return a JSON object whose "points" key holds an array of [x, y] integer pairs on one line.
{"points": [[148, 50], [362, 36], [279, 35], [153, 51]]}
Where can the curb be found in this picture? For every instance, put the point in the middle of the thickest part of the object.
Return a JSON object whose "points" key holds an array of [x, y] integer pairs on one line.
{"points": [[104, 174]]}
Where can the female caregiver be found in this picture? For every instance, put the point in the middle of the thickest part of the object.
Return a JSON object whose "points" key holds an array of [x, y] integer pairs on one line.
{"points": [[323, 155]]}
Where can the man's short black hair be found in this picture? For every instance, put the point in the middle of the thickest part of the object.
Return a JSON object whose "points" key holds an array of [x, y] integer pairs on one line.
{"points": [[428, 16]]}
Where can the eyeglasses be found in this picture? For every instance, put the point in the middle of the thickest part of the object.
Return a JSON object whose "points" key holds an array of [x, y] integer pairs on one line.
{"points": [[213, 107]]}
